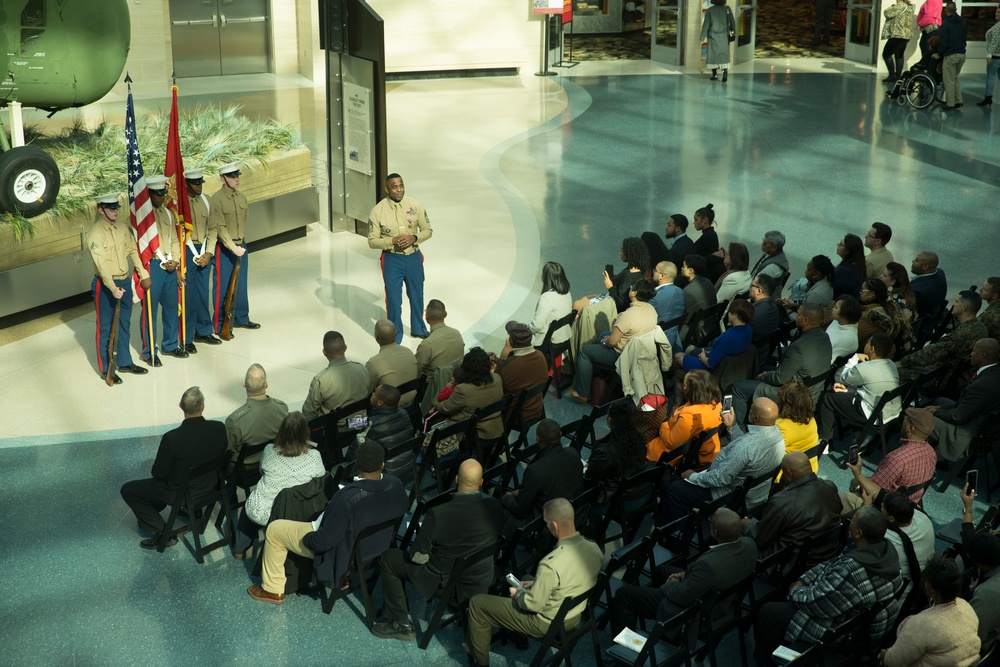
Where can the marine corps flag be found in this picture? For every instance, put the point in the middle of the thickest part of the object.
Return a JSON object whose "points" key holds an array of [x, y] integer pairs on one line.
{"points": [[178, 202]]}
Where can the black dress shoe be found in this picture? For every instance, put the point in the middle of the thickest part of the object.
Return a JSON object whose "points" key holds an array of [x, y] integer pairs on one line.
{"points": [[135, 370], [154, 542], [114, 378], [190, 348], [178, 352], [208, 340], [155, 363], [250, 325], [394, 630]]}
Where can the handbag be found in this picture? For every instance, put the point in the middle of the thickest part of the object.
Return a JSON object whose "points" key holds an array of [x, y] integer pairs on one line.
{"points": [[732, 35], [732, 25]]}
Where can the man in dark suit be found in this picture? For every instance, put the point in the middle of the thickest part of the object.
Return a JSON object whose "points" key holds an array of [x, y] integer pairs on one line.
{"points": [[194, 442], [470, 521], [682, 245], [557, 472], [722, 566], [930, 285], [808, 356], [806, 506], [956, 423]]}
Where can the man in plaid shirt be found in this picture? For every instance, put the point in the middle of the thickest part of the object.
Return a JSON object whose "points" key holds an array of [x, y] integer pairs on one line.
{"points": [[834, 591], [910, 464]]}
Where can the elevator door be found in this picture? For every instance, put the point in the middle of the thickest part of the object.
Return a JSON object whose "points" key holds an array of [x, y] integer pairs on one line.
{"points": [[213, 37], [862, 31]]}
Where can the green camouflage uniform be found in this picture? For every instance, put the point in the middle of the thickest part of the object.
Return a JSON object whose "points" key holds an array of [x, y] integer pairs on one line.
{"points": [[952, 349]]}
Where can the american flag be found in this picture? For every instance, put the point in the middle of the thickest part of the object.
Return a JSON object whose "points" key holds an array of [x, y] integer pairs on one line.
{"points": [[139, 206]]}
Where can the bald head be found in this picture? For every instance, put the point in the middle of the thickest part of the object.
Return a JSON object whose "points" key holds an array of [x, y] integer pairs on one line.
{"points": [[986, 351], [795, 465], [763, 412], [385, 332], [470, 476], [255, 381], [928, 261], [726, 525], [666, 271]]}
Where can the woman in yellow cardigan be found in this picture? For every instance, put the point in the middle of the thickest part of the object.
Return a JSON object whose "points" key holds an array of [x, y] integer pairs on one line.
{"points": [[701, 412], [796, 421]]}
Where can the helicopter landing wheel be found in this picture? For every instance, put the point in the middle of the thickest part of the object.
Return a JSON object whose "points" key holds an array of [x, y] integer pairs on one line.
{"points": [[29, 181]]}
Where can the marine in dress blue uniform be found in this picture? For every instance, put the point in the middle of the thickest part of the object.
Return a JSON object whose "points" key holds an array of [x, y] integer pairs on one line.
{"points": [[396, 226], [200, 252], [229, 210], [163, 272]]}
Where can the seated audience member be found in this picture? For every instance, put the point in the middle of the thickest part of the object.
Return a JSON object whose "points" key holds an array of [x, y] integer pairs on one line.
{"points": [[726, 564], [795, 419], [620, 456], [554, 304], [944, 633], [831, 592], [861, 386], [556, 472], [897, 280], [816, 288], [289, 462], [990, 293], [390, 425], [699, 293], [701, 411], [876, 240], [907, 524], [954, 347], [341, 383], [479, 388], [851, 271], [393, 364], [371, 499], [982, 551], [773, 262], [681, 245], [618, 286], [843, 330], [805, 506], [522, 367], [767, 314], [732, 342], [443, 347], [910, 464], [570, 569], [750, 454], [668, 302], [956, 422], [736, 280], [196, 441], [256, 421], [808, 356], [707, 244], [640, 318], [930, 286], [880, 314], [467, 523]]}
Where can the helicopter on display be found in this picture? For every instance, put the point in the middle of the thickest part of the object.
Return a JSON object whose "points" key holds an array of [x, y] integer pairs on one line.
{"points": [[58, 54]]}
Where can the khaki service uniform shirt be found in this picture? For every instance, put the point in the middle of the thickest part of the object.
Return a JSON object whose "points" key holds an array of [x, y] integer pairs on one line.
{"points": [[569, 570], [228, 209], [111, 246], [393, 365], [254, 423], [389, 219], [205, 232], [443, 346], [166, 230], [339, 384]]}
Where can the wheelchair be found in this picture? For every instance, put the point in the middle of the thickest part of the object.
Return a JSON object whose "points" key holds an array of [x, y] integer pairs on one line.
{"points": [[919, 87]]}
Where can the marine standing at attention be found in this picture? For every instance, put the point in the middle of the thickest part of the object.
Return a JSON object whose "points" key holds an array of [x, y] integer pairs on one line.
{"points": [[396, 226], [164, 276], [111, 245], [229, 210], [200, 252]]}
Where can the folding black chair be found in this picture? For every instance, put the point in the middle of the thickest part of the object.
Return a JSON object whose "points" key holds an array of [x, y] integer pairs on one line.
{"points": [[452, 593], [628, 559], [563, 640], [331, 441], [417, 517], [443, 473], [629, 518], [412, 408], [199, 507], [553, 351], [657, 653], [712, 629], [515, 419], [876, 423], [483, 449], [922, 383], [519, 554], [739, 500], [981, 447], [703, 326], [361, 566]]}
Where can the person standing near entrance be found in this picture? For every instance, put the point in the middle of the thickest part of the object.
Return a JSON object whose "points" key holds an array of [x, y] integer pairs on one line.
{"points": [[897, 31], [823, 15], [228, 210], [951, 50], [716, 27], [396, 226]]}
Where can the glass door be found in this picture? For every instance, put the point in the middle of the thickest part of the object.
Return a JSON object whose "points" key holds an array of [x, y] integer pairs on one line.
{"points": [[862, 32], [746, 31], [668, 33]]}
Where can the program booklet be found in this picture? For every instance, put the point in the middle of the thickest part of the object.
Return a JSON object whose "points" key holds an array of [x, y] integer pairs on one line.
{"points": [[631, 639]]}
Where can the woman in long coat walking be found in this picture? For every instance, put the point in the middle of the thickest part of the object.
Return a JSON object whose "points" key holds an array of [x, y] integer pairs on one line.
{"points": [[716, 28]]}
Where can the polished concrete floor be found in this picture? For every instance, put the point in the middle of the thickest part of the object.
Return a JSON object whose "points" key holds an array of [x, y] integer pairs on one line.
{"points": [[514, 172]]}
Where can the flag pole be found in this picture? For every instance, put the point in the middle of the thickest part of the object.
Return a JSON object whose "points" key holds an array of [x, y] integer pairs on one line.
{"points": [[182, 238]]}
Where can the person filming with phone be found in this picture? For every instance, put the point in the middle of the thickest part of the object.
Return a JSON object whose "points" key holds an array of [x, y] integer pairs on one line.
{"points": [[909, 465]]}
